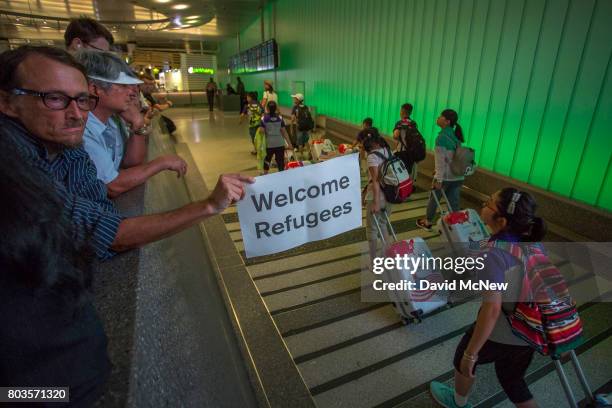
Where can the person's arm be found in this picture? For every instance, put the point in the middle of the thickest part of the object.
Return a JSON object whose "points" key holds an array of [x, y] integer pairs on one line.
{"points": [[396, 134], [286, 137], [138, 231], [487, 317], [136, 147], [163, 106], [131, 177], [440, 154], [135, 151]]}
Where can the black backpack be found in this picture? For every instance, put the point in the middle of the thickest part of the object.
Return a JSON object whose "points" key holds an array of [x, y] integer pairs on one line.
{"points": [[412, 144], [304, 119]]}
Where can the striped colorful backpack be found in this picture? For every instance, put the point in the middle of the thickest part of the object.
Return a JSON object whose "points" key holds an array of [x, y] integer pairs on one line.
{"points": [[545, 316]]}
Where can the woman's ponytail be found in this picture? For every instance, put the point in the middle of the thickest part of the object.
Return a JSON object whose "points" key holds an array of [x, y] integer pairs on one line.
{"points": [[537, 230], [518, 207], [453, 118], [459, 132]]}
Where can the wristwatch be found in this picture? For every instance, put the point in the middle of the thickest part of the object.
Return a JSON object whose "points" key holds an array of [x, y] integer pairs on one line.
{"points": [[143, 131]]}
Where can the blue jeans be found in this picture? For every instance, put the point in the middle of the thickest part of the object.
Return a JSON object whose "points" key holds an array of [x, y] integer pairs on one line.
{"points": [[452, 190]]}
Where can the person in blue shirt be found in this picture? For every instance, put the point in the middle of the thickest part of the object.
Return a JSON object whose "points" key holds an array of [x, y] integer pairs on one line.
{"points": [[43, 114], [510, 214], [120, 158]]}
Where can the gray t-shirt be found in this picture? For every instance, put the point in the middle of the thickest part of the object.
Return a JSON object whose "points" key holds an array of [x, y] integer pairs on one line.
{"points": [[500, 267], [273, 126]]}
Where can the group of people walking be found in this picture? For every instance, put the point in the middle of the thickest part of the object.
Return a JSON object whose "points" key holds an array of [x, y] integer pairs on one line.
{"points": [[510, 215]]}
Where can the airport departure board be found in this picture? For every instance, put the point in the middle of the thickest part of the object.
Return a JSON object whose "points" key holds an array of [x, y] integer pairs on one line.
{"points": [[262, 57]]}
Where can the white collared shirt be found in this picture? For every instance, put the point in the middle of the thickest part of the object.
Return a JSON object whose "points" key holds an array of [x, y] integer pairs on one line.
{"points": [[105, 145]]}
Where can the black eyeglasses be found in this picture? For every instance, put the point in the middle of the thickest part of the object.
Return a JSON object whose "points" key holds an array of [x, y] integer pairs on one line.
{"points": [[60, 101], [90, 45], [488, 205]]}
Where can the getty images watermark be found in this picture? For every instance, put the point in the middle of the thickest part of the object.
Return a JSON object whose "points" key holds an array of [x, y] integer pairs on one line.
{"points": [[434, 269], [422, 270]]}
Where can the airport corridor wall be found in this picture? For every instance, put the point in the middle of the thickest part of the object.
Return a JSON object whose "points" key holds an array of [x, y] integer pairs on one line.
{"points": [[530, 78]]}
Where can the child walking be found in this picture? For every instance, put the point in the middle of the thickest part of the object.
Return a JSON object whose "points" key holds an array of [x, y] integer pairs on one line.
{"points": [[277, 138]]}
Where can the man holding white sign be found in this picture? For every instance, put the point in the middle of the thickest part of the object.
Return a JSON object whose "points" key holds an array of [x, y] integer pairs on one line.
{"points": [[316, 202]]}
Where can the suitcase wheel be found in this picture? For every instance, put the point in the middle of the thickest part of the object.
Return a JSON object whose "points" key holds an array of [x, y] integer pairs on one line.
{"points": [[418, 315]]}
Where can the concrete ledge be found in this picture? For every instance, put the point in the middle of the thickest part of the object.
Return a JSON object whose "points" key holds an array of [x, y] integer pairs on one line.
{"points": [[169, 337], [274, 376], [569, 218], [115, 286]]}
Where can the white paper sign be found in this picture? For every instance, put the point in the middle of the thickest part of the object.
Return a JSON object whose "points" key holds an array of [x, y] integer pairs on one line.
{"points": [[286, 209]]}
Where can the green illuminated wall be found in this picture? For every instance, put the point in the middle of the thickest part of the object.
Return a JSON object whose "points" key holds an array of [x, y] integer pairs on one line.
{"points": [[530, 78]]}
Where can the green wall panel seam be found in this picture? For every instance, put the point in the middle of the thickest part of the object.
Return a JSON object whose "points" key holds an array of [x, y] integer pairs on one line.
{"points": [[493, 82], [452, 67], [571, 100], [466, 63], [529, 88], [550, 88], [605, 181], [428, 69], [588, 138], [512, 76], [439, 70], [475, 100], [417, 68]]}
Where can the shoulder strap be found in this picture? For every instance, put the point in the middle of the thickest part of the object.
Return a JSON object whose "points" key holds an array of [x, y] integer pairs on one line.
{"points": [[403, 133], [512, 248], [379, 154], [456, 141]]}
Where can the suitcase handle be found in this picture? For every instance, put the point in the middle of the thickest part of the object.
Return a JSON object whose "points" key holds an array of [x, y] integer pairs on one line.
{"points": [[442, 212], [388, 226], [565, 383]]}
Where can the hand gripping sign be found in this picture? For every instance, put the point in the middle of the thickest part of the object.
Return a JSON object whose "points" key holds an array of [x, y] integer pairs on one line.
{"points": [[286, 209]]}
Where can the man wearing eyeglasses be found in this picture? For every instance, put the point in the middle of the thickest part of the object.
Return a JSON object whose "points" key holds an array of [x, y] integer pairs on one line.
{"points": [[43, 113], [87, 33], [119, 159]]}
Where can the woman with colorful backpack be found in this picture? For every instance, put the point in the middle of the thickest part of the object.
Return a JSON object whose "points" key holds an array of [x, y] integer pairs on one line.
{"points": [[449, 138], [493, 338]]}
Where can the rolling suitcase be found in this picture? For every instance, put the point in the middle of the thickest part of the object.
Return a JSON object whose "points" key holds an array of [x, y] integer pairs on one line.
{"points": [[411, 305], [320, 147], [460, 227]]}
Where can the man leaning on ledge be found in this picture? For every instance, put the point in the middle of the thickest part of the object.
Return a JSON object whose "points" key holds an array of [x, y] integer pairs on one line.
{"points": [[43, 112], [119, 151]]}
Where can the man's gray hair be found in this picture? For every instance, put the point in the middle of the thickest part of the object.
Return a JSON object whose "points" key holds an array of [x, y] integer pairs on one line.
{"points": [[103, 64]]}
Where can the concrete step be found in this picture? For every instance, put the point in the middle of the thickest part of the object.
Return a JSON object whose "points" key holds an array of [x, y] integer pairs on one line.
{"points": [[331, 351], [541, 377], [398, 378]]}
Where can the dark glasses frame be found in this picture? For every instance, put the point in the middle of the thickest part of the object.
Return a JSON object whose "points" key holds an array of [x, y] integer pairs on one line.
{"points": [[92, 100]]}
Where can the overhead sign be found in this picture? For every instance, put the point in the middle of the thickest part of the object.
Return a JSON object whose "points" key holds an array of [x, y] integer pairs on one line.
{"points": [[286, 209], [200, 70]]}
